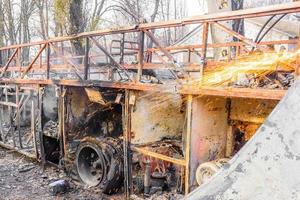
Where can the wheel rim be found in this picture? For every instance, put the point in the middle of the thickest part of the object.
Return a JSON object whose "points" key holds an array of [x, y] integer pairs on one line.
{"points": [[90, 166]]}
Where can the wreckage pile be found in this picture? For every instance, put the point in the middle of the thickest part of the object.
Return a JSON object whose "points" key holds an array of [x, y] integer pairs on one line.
{"points": [[154, 177], [275, 80]]}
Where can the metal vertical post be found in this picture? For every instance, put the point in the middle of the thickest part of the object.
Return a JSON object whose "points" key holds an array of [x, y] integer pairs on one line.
{"points": [[126, 145], [33, 130], [41, 124], [122, 49], [61, 116], [18, 118], [1, 123], [11, 130], [86, 58], [18, 61], [48, 60], [65, 138], [188, 143], [140, 55], [41, 58], [204, 48]]}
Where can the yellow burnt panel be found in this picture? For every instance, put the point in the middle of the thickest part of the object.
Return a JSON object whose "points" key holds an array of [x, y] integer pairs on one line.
{"points": [[157, 115], [251, 110], [95, 96]]}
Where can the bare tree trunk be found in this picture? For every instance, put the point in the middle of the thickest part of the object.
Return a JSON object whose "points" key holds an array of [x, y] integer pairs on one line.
{"points": [[153, 17], [42, 6], [2, 31], [27, 7], [76, 24], [97, 13], [10, 21]]}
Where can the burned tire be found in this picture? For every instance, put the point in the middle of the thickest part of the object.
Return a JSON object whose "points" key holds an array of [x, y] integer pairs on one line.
{"points": [[99, 162]]}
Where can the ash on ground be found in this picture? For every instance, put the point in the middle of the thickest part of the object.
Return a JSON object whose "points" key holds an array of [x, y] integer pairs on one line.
{"points": [[21, 178]]}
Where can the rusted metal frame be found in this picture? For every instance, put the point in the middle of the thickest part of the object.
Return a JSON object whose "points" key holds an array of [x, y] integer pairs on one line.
{"points": [[219, 20], [1, 124], [189, 55], [61, 124], [163, 50], [197, 54], [9, 108], [230, 15], [235, 34], [226, 92], [15, 149], [188, 143], [1, 118], [125, 54], [60, 127], [19, 57], [41, 58], [10, 104], [171, 48], [18, 116], [117, 65], [41, 125], [64, 136], [33, 130], [86, 58], [165, 63], [67, 60], [34, 60], [224, 16], [48, 61], [11, 129], [21, 105], [152, 154], [122, 49], [218, 45], [147, 65], [9, 61], [162, 65], [141, 55], [127, 109], [95, 83], [267, 94], [204, 49]]}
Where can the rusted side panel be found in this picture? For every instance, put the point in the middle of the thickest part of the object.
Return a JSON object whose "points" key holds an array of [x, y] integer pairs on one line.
{"points": [[155, 116], [251, 110], [209, 127]]}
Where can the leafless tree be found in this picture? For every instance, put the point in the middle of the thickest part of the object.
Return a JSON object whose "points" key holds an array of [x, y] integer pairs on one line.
{"points": [[43, 7]]}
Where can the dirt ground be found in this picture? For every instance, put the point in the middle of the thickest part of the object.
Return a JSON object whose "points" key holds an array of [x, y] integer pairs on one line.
{"points": [[22, 179]]}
